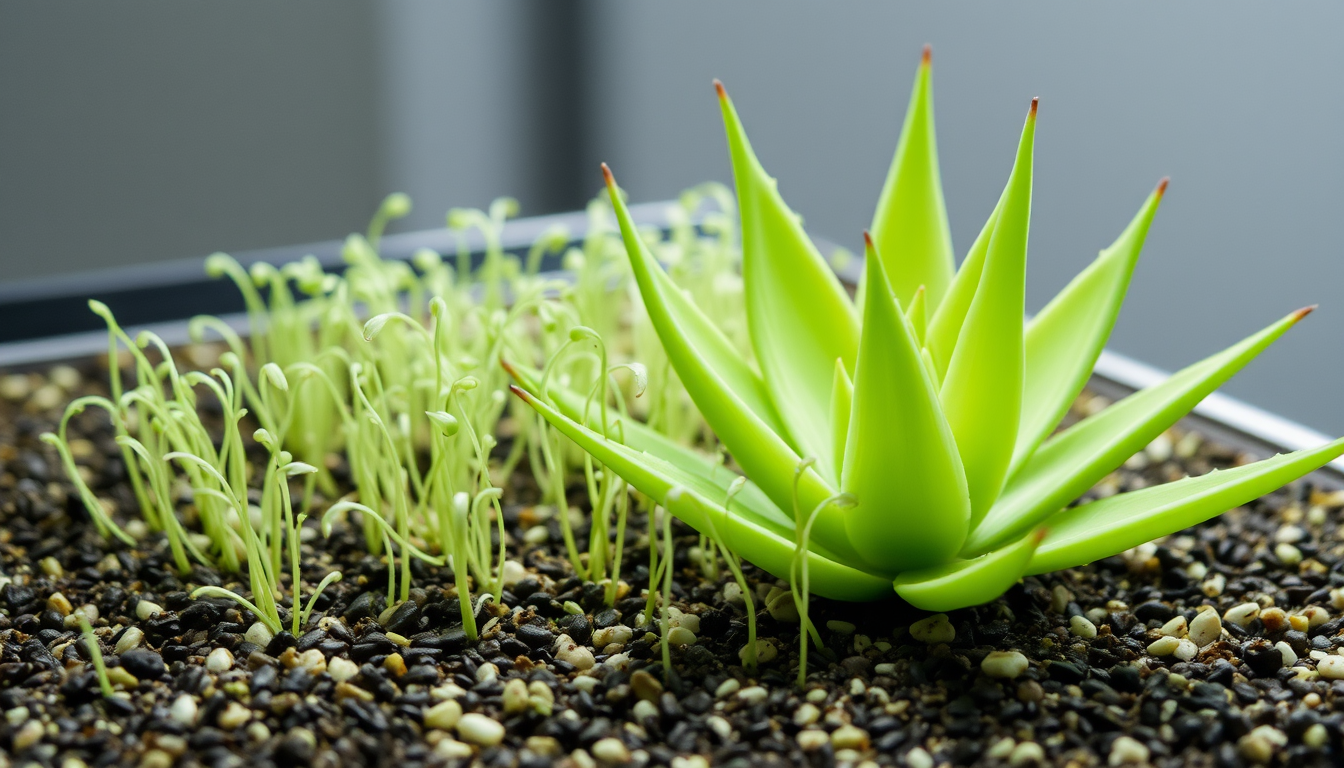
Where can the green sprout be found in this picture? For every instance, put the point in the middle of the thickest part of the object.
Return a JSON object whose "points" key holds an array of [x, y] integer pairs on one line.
{"points": [[95, 655], [907, 437]]}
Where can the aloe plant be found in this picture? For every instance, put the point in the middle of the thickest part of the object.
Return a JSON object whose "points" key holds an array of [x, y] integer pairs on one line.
{"points": [[906, 437]]}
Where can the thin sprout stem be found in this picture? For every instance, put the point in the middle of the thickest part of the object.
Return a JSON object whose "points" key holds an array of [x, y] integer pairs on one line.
{"points": [[667, 595], [95, 655]]}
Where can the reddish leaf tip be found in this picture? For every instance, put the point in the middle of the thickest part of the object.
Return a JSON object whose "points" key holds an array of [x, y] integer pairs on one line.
{"points": [[1035, 101], [1039, 535], [508, 367], [718, 88], [927, 58], [519, 391], [1162, 186], [868, 240], [606, 174], [1303, 312]]}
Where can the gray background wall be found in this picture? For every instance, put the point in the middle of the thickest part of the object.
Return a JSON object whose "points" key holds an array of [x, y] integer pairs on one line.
{"points": [[158, 130]]}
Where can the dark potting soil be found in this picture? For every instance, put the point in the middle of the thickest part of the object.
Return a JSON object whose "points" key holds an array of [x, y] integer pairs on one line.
{"points": [[1216, 646]]}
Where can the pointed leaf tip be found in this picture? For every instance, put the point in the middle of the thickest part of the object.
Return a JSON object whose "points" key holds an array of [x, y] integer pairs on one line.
{"points": [[1162, 186], [1303, 312], [606, 174], [719, 89], [1035, 101], [927, 58], [867, 241], [519, 391]]}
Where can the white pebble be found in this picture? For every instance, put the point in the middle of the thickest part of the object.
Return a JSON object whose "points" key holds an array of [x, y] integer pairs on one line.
{"points": [[572, 653], [1214, 585], [234, 716], [1331, 667], [727, 688], [451, 749], [618, 633], [1027, 753], [475, 728], [27, 735], [183, 710], [1004, 664], [812, 739], [514, 700], [1081, 627], [756, 694], [680, 636], [443, 715], [645, 710], [1126, 750], [342, 669], [1185, 649], [934, 629], [1205, 628], [514, 572], [1174, 628], [1242, 615], [610, 751], [1288, 554], [850, 737], [129, 640], [918, 758], [1163, 646], [219, 660], [259, 634], [1289, 655]]}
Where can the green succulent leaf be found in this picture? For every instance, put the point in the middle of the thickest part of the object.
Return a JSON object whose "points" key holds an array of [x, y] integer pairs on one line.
{"points": [[1064, 341], [716, 378], [947, 318], [901, 461], [910, 225], [748, 529], [1102, 528], [842, 399], [799, 316], [968, 582], [1074, 460], [982, 392], [642, 438]]}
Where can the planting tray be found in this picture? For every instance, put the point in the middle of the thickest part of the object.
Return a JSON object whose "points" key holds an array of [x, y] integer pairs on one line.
{"points": [[47, 320], [1060, 664]]}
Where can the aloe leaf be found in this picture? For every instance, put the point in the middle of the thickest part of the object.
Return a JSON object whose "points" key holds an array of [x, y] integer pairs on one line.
{"points": [[842, 398], [1064, 341], [982, 392], [1102, 528], [676, 317], [727, 392], [799, 317], [641, 438], [948, 316], [745, 529], [917, 313], [901, 461], [964, 583], [1074, 460], [910, 224]]}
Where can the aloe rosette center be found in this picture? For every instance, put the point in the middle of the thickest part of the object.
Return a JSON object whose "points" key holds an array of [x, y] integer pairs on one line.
{"points": [[908, 435]]}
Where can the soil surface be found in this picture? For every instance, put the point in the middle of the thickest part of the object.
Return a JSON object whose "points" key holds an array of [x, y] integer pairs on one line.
{"points": [[1217, 646]]}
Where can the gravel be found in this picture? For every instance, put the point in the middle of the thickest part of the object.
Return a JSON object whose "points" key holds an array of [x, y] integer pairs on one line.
{"points": [[1208, 648]]}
